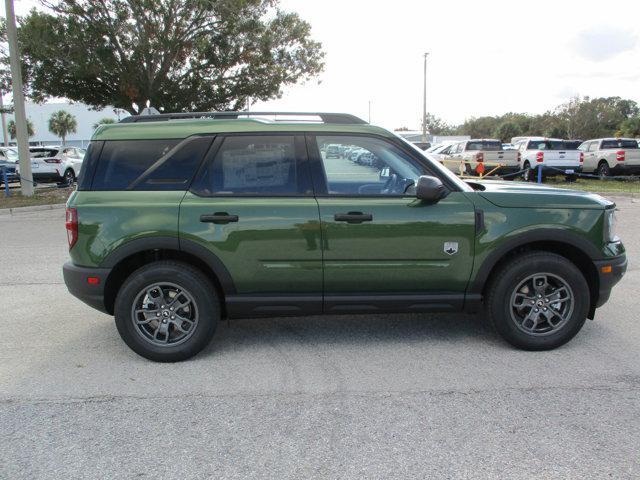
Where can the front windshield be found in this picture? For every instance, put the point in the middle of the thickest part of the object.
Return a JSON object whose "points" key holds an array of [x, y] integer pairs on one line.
{"points": [[439, 167]]}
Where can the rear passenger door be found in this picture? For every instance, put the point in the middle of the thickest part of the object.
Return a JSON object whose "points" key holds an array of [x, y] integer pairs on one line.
{"points": [[252, 207]]}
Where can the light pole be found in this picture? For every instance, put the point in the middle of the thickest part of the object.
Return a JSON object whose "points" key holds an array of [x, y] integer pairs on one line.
{"points": [[424, 100], [22, 136]]}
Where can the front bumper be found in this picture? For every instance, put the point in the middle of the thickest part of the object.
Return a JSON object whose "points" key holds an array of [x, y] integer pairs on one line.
{"points": [[610, 272], [90, 293]]}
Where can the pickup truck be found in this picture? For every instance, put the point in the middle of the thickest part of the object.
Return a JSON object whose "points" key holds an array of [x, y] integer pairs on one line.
{"points": [[611, 156], [480, 156], [553, 155]]}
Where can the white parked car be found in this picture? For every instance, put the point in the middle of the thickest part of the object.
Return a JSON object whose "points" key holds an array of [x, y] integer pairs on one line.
{"points": [[56, 164], [477, 156], [438, 152], [555, 156], [611, 156]]}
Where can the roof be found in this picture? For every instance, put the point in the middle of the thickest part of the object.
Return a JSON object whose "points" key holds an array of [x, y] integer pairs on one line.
{"points": [[182, 128]]}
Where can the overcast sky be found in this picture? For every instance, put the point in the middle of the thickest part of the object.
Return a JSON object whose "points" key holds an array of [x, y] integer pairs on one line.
{"points": [[486, 57]]}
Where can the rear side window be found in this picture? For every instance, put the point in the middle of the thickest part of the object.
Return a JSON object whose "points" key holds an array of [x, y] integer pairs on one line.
{"points": [[255, 165], [609, 144], [485, 146], [149, 164]]}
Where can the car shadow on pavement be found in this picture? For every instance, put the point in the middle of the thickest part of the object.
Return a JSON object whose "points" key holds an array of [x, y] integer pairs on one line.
{"points": [[352, 330]]}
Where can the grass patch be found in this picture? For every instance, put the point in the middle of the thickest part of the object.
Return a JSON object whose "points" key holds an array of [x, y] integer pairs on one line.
{"points": [[596, 185], [41, 196]]}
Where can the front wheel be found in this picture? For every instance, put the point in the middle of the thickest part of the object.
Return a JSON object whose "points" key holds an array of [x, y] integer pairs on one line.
{"points": [[167, 311], [538, 301]]}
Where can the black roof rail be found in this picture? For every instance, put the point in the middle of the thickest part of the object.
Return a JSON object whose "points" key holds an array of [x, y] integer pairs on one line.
{"points": [[336, 118]]}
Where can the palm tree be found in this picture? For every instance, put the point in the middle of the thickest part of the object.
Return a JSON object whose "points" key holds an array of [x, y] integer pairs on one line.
{"points": [[62, 123], [11, 126], [103, 121]]}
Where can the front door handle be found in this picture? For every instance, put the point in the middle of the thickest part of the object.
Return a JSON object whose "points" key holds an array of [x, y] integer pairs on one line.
{"points": [[220, 218], [353, 217]]}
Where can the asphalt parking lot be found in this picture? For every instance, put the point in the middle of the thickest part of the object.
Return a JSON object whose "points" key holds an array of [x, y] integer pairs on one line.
{"points": [[389, 396]]}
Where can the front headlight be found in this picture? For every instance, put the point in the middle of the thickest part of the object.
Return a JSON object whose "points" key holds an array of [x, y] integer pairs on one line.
{"points": [[610, 225]]}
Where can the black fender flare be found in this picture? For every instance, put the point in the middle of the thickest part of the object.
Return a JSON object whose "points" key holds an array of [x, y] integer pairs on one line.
{"points": [[566, 237], [172, 243]]}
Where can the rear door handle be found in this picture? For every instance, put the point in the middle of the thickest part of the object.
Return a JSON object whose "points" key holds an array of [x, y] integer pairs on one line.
{"points": [[353, 217], [220, 218]]}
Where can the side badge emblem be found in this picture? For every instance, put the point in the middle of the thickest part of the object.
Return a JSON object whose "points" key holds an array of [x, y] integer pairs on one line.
{"points": [[450, 248]]}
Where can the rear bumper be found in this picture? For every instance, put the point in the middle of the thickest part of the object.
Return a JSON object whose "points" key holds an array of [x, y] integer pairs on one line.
{"points": [[76, 280], [46, 177], [610, 278], [551, 170], [621, 169]]}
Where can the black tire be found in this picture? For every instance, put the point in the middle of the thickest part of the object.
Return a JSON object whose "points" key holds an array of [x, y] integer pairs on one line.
{"points": [[69, 176], [468, 170], [498, 300], [603, 169], [526, 175], [204, 298]]}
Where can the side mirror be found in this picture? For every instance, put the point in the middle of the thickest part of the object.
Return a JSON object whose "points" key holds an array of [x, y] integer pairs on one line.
{"points": [[430, 189]]}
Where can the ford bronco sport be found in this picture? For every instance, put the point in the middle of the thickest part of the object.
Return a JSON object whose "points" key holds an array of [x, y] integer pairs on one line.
{"points": [[180, 220]]}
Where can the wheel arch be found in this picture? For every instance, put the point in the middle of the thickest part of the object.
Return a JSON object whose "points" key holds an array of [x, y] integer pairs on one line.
{"points": [[569, 245], [132, 255]]}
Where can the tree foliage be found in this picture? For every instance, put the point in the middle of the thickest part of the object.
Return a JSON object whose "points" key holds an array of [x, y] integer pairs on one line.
{"points": [[62, 123], [629, 128], [507, 130], [11, 127], [178, 54], [103, 121]]}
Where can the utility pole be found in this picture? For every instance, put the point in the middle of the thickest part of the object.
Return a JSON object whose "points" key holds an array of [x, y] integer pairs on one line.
{"points": [[424, 100], [22, 135], [5, 132]]}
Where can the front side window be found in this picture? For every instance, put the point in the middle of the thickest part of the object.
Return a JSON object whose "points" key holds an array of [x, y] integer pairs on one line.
{"points": [[368, 166], [255, 165]]}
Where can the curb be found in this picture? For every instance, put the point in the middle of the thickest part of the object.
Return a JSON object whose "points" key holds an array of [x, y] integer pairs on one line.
{"points": [[32, 208]]}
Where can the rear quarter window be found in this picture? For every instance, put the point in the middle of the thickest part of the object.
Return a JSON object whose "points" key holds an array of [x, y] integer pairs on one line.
{"points": [[149, 164]]}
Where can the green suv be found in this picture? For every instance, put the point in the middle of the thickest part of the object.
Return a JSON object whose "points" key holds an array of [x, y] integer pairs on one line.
{"points": [[180, 220]]}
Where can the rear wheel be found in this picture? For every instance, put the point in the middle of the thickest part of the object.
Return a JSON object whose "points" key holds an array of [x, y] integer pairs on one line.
{"points": [[538, 301], [69, 177], [603, 169], [527, 174], [167, 311]]}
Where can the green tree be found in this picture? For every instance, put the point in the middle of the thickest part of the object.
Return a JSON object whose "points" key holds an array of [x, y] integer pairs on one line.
{"points": [[480, 127], [62, 123], [507, 130], [586, 118], [437, 126], [11, 126], [178, 54], [104, 121], [629, 128]]}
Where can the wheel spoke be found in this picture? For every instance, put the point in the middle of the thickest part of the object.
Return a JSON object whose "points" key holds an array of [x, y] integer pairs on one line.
{"points": [[180, 321], [540, 283]]}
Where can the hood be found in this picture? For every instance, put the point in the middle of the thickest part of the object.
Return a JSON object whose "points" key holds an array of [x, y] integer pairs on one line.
{"points": [[528, 195]]}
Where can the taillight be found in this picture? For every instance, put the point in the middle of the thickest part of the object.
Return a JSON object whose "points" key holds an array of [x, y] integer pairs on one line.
{"points": [[581, 157], [71, 225], [620, 155], [53, 160], [480, 157], [540, 157]]}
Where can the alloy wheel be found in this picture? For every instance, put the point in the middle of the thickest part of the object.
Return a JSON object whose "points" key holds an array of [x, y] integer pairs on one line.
{"points": [[541, 304], [164, 314]]}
